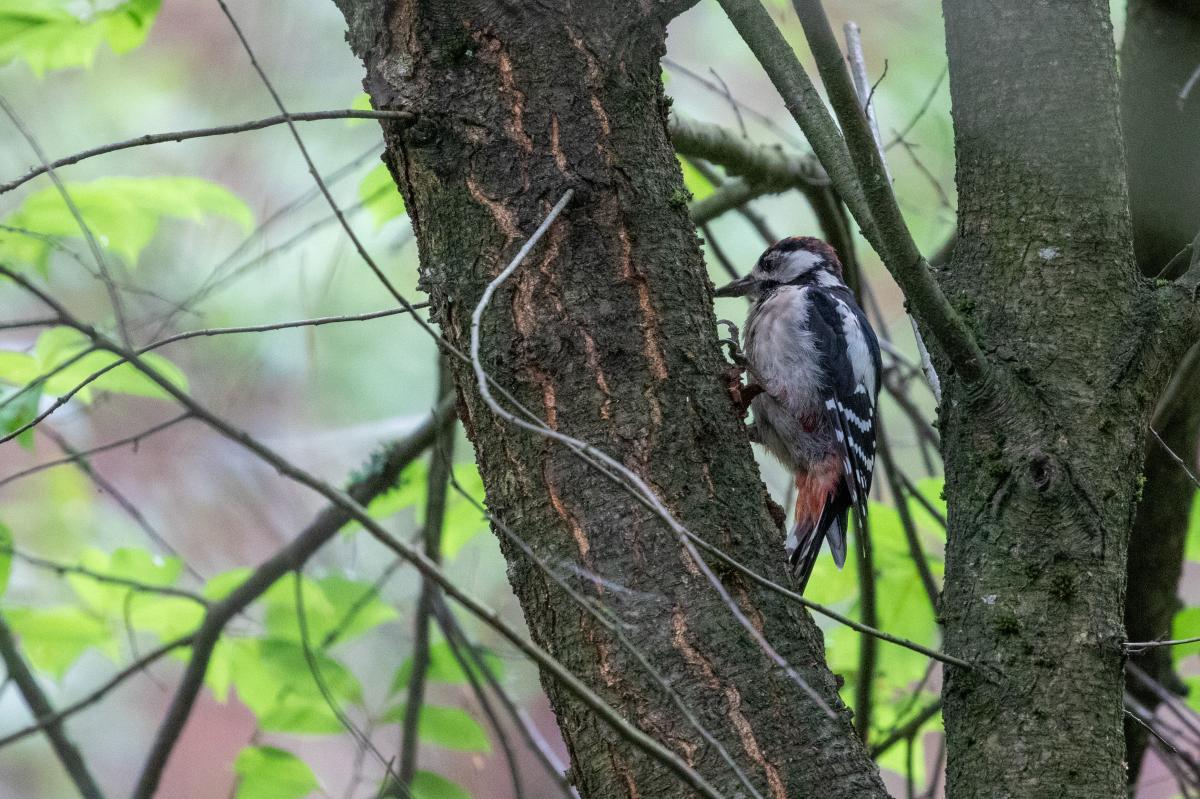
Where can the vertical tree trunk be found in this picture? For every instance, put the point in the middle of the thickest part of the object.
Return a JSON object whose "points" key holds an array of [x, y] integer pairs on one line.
{"points": [[1160, 52], [1042, 477], [607, 332]]}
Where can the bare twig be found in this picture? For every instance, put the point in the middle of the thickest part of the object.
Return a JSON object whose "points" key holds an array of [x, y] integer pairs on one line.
{"points": [[1175, 457], [79, 455], [858, 70], [868, 650], [125, 582], [438, 480], [100, 692], [533, 740], [461, 649], [183, 135], [906, 730], [43, 712], [114, 295]]}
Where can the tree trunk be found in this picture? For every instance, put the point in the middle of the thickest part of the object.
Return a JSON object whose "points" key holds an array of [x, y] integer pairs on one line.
{"points": [[606, 331], [1159, 54], [1041, 475]]}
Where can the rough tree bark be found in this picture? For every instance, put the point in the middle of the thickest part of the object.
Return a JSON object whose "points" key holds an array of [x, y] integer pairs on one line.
{"points": [[1042, 471], [607, 332], [1160, 52]]}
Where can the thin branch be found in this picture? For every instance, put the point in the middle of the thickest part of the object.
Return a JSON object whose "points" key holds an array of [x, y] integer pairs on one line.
{"points": [[314, 669], [134, 585], [436, 485], [122, 501], [1138, 647], [461, 649], [915, 550], [79, 455], [1175, 457], [114, 295], [868, 650], [43, 712], [858, 70], [198, 133], [921, 110], [453, 630], [908, 729], [100, 692], [769, 167]]}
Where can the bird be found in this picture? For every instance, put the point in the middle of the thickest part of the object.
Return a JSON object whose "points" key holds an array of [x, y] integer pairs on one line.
{"points": [[814, 371]]}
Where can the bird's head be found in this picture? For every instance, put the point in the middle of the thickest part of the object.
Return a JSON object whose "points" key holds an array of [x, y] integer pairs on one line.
{"points": [[794, 261]]}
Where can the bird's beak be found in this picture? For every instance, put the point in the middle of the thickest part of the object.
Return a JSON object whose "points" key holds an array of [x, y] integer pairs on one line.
{"points": [[738, 288]]}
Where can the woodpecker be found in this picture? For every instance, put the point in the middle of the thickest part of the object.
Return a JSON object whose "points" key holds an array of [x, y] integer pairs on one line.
{"points": [[814, 370]]}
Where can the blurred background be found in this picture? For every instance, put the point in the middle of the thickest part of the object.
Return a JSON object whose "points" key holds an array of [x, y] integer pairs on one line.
{"points": [[327, 397]]}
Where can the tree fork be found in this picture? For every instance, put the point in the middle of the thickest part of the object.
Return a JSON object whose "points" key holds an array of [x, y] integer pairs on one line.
{"points": [[606, 332]]}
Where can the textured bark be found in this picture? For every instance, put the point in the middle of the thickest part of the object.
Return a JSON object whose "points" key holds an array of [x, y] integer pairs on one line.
{"points": [[607, 333], [1042, 465], [1159, 53]]}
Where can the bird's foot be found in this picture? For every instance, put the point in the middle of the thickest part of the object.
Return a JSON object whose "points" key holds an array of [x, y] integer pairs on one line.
{"points": [[733, 342]]}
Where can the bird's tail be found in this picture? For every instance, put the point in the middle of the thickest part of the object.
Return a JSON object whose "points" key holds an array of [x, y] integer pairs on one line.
{"points": [[818, 516]]}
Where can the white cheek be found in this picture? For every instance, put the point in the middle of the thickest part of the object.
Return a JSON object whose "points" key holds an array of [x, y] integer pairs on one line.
{"points": [[796, 264]]}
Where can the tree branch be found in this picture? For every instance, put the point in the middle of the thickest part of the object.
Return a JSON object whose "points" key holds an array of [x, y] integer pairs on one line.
{"points": [[43, 712], [198, 133]]}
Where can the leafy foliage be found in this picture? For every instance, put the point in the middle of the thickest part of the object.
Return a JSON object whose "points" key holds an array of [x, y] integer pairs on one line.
{"points": [[427, 785], [63, 359], [379, 194], [123, 213], [46, 35], [448, 727], [269, 773]]}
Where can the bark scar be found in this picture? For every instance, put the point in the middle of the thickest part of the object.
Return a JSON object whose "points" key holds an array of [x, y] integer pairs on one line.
{"points": [[732, 698]]}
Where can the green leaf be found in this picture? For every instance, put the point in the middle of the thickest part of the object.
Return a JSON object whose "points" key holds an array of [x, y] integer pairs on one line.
{"points": [[274, 680], [379, 194], [463, 520], [328, 603], [54, 638], [122, 213], [47, 36], [693, 181], [443, 667], [66, 350], [166, 616], [6, 547], [221, 586], [20, 407], [449, 727], [270, 773], [1192, 547], [139, 565], [427, 785]]}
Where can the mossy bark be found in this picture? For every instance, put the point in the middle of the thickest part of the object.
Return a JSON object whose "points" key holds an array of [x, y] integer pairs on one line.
{"points": [[607, 333], [1042, 464], [1159, 53]]}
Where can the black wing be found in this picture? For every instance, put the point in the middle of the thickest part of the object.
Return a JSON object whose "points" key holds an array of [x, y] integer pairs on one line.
{"points": [[852, 367]]}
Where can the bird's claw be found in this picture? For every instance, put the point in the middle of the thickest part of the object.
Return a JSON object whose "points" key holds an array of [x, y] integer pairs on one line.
{"points": [[733, 342]]}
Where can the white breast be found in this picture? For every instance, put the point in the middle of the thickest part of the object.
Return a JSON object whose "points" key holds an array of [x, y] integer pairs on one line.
{"points": [[781, 351]]}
